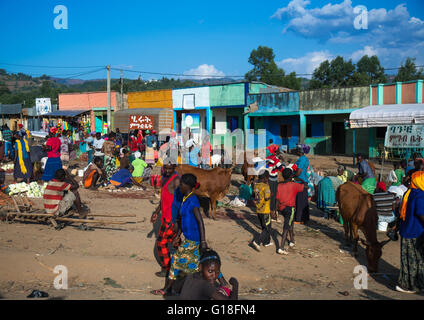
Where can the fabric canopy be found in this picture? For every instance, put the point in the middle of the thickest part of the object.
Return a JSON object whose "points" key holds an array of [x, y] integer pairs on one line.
{"points": [[384, 115], [65, 113]]}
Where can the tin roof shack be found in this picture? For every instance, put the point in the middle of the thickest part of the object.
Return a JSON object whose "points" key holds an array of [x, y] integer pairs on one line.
{"points": [[11, 114]]}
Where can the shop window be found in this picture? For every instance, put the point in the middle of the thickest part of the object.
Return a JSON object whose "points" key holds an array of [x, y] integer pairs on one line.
{"points": [[380, 133], [309, 130], [286, 131], [252, 123]]}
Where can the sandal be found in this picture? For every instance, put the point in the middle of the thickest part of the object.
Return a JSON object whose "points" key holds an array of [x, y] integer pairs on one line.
{"points": [[158, 292]]}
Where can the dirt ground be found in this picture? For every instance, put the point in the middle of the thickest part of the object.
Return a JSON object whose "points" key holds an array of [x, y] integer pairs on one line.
{"points": [[118, 262]]}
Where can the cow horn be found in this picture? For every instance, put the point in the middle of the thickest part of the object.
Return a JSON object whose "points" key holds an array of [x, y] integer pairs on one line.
{"points": [[383, 243]]}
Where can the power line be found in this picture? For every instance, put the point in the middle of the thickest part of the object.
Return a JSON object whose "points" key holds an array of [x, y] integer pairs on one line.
{"points": [[157, 73], [53, 67]]}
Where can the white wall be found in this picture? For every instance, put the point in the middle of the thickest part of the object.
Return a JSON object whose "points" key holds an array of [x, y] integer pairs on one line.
{"points": [[201, 97], [220, 116]]}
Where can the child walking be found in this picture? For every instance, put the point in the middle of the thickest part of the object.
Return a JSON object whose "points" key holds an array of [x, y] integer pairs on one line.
{"points": [[286, 203], [262, 194]]}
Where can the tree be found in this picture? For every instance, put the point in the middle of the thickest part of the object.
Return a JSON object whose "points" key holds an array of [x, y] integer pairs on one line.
{"points": [[266, 70], [337, 73], [4, 89], [45, 88], [368, 71], [408, 71]]}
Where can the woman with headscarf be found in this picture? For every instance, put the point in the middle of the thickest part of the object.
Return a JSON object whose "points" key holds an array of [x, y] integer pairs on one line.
{"points": [[53, 163], [411, 277], [23, 167], [302, 205]]}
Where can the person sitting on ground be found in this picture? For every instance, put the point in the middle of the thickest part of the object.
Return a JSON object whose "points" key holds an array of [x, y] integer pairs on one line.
{"points": [[123, 178], [262, 201], [343, 174], [139, 166], [94, 175], [61, 194], [203, 285], [286, 203]]}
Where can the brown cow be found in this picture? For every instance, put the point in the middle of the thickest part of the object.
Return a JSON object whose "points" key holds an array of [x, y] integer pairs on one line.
{"points": [[358, 211], [214, 183]]}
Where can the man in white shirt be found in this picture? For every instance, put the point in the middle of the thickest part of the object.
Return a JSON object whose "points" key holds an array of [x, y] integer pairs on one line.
{"points": [[98, 144]]}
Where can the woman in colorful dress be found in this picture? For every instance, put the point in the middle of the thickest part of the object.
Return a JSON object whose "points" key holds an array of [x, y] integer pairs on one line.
{"points": [[190, 223], [411, 277], [53, 163], [23, 167]]}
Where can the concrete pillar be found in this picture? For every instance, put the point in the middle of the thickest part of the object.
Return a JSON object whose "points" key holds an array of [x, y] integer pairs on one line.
{"points": [[380, 94], [419, 91], [302, 119], [174, 118], [398, 92], [246, 129], [371, 142]]}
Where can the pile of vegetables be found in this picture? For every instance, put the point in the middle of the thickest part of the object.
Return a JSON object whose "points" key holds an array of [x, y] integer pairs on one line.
{"points": [[33, 190], [8, 166]]}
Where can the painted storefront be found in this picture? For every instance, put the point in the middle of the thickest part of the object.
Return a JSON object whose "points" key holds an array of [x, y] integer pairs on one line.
{"points": [[96, 102]]}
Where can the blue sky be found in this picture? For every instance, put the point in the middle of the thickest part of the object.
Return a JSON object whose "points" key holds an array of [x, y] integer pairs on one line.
{"points": [[203, 38]]}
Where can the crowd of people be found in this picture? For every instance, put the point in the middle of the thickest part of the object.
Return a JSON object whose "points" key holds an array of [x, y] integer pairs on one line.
{"points": [[190, 268]]}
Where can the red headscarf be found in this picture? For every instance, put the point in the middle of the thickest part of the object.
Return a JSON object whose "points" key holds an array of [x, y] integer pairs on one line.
{"points": [[272, 148], [381, 185]]}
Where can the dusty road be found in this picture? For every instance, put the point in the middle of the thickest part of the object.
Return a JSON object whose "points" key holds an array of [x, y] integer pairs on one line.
{"points": [[119, 262]]}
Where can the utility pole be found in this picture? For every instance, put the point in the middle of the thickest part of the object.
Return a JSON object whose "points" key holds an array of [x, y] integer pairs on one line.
{"points": [[108, 99], [122, 92]]}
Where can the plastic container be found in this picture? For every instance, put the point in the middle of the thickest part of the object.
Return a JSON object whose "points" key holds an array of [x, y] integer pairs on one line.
{"points": [[80, 173], [382, 226]]}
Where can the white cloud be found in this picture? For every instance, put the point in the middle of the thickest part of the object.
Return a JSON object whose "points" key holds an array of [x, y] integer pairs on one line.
{"points": [[368, 50], [335, 23], [305, 64], [204, 71]]}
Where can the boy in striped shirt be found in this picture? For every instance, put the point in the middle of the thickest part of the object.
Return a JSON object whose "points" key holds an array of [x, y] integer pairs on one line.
{"points": [[59, 196]]}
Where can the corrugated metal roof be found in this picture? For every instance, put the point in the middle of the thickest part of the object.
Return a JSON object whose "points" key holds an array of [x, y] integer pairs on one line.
{"points": [[65, 113], [11, 108]]}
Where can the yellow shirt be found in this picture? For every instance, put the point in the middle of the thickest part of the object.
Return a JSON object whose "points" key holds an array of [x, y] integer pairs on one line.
{"points": [[262, 192]]}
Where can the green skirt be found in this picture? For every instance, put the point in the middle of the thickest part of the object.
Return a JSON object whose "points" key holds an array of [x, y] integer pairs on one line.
{"points": [[369, 185]]}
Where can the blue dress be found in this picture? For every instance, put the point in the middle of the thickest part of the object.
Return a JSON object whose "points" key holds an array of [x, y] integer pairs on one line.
{"points": [[303, 163]]}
